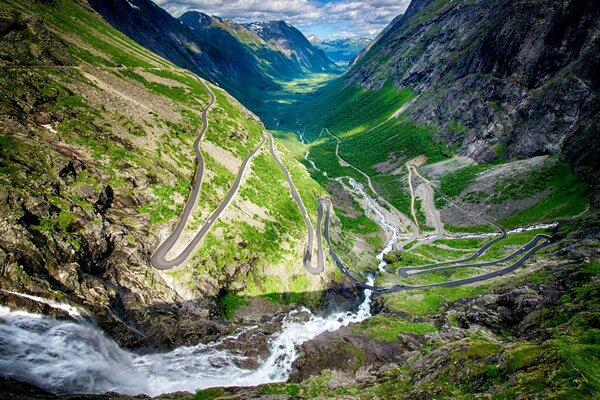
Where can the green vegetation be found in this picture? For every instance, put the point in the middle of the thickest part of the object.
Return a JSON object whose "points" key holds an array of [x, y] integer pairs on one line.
{"points": [[389, 327], [424, 302], [455, 182], [147, 158], [568, 196], [192, 94], [209, 394], [360, 224], [562, 194], [78, 22], [344, 107], [165, 207], [229, 302]]}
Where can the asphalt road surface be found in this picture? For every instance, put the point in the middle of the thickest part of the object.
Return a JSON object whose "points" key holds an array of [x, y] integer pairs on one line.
{"points": [[307, 260], [159, 258], [528, 250]]}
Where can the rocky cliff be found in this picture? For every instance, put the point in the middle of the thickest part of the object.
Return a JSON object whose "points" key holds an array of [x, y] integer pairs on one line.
{"points": [[512, 79]]}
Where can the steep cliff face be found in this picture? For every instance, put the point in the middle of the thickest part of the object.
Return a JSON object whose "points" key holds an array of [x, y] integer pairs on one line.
{"points": [[499, 78], [96, 161]]}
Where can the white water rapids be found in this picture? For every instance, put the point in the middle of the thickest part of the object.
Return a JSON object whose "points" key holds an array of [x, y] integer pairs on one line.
{"points": [[76, 357], [394, 232]]}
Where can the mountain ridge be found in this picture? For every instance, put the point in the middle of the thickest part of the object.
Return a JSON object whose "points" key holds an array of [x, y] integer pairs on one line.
{"points": [[217, 49], [509, 119], [294, 43]]}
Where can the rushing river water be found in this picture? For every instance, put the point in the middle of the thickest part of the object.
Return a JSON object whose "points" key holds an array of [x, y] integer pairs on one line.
{"points": [[66, 356], [389, 246]]}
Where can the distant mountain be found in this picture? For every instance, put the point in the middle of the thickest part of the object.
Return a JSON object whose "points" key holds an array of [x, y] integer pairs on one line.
{"points": [[240, 60], [293, 43], [241, 47], [340, 50]]}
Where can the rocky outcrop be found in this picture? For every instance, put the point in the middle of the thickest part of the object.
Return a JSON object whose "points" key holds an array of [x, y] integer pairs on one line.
{"points": [[344, 350], [514, 79], [25, 41]]}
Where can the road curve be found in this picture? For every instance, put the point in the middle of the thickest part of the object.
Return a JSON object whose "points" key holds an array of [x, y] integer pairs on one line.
{"points": [[413, 210], [479, 252], [420, 270], [307, 260], [159, 258], [529, 249]]}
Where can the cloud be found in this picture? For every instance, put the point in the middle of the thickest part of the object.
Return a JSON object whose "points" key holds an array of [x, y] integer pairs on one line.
{"points": [[358, 18]]}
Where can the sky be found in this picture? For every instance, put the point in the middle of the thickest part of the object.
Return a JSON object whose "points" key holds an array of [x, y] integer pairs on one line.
{"points": [[327, 19]]}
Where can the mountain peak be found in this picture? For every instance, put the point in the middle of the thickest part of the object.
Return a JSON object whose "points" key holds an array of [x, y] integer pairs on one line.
{"points": [[313, 39]]}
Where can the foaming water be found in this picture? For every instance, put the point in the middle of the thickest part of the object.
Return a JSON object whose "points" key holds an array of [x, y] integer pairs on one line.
{"points": [[74, 312], [76, 357], [356, 187]]}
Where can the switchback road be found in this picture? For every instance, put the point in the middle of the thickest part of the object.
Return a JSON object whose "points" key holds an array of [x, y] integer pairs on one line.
{"points": [[159, 258]]}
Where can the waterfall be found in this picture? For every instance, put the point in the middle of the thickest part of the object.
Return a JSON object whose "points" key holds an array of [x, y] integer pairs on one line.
{"points": [[65, 356]]}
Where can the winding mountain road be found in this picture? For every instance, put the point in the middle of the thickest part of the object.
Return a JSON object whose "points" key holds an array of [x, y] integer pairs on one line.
{"points": [[529, 249], [159, 259], [479, 252], [307, 260]]}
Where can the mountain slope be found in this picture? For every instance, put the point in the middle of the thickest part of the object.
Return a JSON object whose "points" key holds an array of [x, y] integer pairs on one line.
{"points": [[541, 82], [242, 48], [155, 29], [473, 79], [293, 42], [248, 67], [96, 161]]}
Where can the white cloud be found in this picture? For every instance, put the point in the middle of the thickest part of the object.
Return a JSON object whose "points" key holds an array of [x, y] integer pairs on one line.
{"points": [[360, 18]]}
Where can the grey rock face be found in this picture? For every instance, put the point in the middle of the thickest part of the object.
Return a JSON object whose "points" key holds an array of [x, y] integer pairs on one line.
{"points": [[518, 78]]}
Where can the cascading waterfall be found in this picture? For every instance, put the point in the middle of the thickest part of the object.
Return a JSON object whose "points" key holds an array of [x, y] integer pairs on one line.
{"points": [[76, 357], [357, 188]]}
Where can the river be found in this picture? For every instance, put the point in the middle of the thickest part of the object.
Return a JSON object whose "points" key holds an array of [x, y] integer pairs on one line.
{"points": [[74, 356]]}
